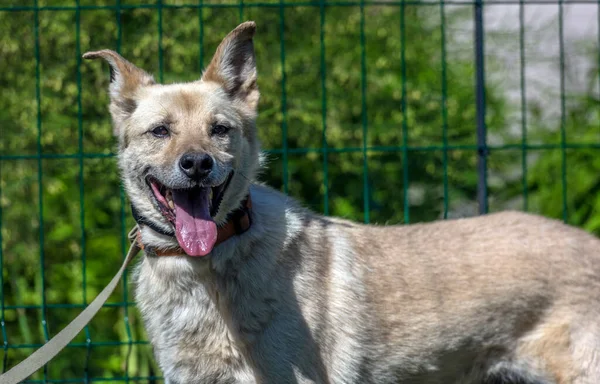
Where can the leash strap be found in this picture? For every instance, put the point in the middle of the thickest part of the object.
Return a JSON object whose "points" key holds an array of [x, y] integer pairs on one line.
{"points": [[47, 352]]}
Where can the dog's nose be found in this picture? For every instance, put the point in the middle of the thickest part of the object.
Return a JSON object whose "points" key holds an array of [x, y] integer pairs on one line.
{"points": [[196, 165]]}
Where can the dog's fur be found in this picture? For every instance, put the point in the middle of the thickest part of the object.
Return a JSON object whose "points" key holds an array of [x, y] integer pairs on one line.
{"points": [[302, 298]]}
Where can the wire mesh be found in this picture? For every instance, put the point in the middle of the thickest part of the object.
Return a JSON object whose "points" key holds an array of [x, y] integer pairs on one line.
{"points": [[321, 157]]}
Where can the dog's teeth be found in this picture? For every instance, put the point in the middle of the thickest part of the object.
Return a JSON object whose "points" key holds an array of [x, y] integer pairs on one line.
{"points": [[169, 198]]}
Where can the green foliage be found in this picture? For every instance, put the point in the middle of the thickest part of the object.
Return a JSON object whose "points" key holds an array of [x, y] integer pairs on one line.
{"points": [[563, 184], [313, 116]]}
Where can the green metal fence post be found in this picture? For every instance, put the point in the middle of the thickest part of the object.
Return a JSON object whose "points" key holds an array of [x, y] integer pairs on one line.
{"points": [[284, 119], [38, 94], [78, 59], [2, 296], [523, 103], [365, 126], [482, 148], [324, 145], [159, 9], [444, 108], [201, 34], [563, 114], [404, 109]]}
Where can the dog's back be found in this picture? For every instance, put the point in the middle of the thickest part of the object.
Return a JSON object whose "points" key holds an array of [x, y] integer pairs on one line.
{"points": [[508, 294]]}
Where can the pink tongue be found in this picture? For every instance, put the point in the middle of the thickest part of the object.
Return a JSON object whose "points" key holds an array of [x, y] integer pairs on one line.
{"points": [[195, 230]]}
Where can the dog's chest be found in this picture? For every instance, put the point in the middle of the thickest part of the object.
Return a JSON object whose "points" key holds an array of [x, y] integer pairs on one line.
{"points": [[190, 340]]}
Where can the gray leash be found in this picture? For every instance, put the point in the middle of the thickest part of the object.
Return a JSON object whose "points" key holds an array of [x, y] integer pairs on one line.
{"points": [[49, 350]]}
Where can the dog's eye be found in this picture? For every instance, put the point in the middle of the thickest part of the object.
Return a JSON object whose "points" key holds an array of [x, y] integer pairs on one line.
{"points": [[160, 131], [219, 129]]}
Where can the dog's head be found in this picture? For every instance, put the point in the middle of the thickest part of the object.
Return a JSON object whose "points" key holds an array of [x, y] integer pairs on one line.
{"points": [[187, 152]]}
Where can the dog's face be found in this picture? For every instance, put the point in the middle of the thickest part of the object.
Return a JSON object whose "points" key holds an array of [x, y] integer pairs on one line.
{"points": [[188, 152]]}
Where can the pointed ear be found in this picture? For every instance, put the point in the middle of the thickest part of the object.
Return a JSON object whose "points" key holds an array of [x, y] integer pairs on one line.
{"points": [[234, 66], [125, 80]]}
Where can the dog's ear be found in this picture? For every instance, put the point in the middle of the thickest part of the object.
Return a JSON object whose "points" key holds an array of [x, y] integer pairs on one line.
{"points": [[234, 66], [125, 80]]}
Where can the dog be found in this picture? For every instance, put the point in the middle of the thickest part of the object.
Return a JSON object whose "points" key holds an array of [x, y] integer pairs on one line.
{"points": [[241, 284]]}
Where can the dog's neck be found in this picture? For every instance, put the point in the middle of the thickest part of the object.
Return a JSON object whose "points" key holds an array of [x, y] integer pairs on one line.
{"points": [[238, 222]]}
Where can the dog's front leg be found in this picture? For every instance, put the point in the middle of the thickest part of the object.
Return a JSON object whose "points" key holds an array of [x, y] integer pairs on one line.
{"points": [[285, 352]]}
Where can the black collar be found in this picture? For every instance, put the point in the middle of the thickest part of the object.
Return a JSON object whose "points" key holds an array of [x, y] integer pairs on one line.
{"points": [[141, 220]]}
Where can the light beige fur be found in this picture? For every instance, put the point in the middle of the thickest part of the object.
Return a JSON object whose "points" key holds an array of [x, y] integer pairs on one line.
{"points": [[302, 298]]}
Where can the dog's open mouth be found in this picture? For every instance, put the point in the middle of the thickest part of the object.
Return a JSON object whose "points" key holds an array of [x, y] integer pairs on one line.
{"points": [[191, 212]]}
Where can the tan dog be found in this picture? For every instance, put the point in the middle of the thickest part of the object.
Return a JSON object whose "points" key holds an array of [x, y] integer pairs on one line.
{"points": [[270, 292]]}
